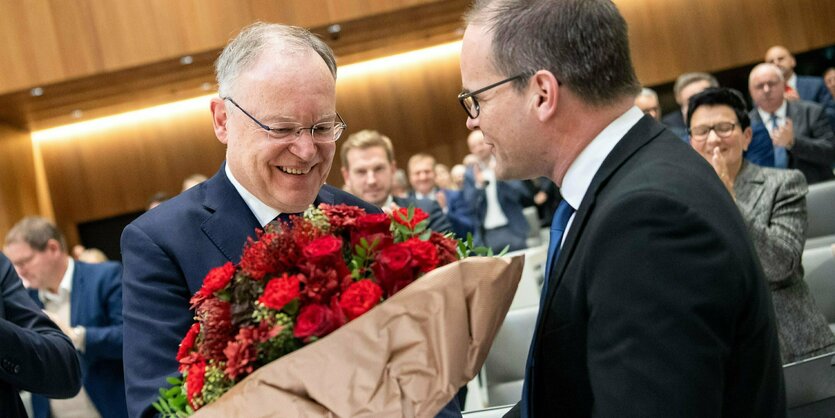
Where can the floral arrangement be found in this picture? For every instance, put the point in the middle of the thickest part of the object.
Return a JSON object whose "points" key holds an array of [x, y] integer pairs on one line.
{"points": [[295, 283]]}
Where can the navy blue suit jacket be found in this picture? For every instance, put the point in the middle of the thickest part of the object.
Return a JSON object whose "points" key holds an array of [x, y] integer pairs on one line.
{"points": [[96, 304], [813, 89], [813, 151], [166, 254], [34, 354], [513, 195]]}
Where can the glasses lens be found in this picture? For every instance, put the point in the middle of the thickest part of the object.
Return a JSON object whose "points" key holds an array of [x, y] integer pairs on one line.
{"points": [[699, 131], [724, 129], [325, 131], [470, 106]]}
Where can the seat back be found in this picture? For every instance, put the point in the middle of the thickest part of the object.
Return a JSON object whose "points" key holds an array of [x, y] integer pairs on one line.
{"points": [[528, 290], [504, 368], [819, 274], [820, 202]]}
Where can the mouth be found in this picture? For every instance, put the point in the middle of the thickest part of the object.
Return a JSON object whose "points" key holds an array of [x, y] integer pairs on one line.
{"points": [[296, 171]]}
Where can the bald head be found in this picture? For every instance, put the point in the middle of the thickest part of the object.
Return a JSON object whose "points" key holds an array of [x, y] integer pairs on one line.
{"points": [[782, 58]]}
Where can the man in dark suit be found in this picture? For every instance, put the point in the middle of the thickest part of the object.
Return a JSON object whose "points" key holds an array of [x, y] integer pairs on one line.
{"points": [[499, 220], [35, 355], [800, 87], [654, 304], [368, 168], [800, 134], [276, 114], [422, 179], [85, 300], [686, 86]]}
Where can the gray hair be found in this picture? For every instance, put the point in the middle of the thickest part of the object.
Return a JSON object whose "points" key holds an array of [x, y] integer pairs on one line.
{"points": [[584, 43], [242, 50], [687, 79], [648, 92], [767, 66], [36, 232]]}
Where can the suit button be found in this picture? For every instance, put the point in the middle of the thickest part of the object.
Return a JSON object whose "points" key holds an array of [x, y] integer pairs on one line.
{"points": [[16, 369]]}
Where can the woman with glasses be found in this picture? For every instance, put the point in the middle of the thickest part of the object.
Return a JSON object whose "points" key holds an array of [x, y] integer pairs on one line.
{"points": [[773, 204]]}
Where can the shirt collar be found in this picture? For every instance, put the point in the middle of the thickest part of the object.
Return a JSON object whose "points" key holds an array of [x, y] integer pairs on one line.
{"points": [[780, 112], [64, 288], [263, 213], [582, 170]]}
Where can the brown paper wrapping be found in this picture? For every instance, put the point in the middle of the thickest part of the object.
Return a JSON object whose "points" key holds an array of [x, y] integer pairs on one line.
{"points": [[407, 357]]}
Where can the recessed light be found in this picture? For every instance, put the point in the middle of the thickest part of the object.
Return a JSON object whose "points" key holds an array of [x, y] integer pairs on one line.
{"points": [[186, 60], [206, 86], [36, 92], [77, 114]]}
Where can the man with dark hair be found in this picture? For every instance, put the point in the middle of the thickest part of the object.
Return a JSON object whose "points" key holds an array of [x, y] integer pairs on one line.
{"points": [[654, 304], [686, 86], [35, 355], [85, 301]]}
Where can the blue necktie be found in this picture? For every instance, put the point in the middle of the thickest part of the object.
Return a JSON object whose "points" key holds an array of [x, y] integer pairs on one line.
{"points": [[781, 157], [558, 224]]}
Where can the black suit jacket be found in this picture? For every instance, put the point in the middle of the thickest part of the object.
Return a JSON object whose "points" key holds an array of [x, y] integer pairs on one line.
{"points": [[166, 253], [658, 306], [813, 152], [34, 354]]}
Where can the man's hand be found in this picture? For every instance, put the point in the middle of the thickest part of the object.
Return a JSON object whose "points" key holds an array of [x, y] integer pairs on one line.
{"points": [[791, 95], [440, 197], [720, 165], [540, 198], [783, 136]]}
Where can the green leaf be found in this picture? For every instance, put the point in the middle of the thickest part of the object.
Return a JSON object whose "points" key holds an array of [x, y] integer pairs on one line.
{"points": [[425, 235]]}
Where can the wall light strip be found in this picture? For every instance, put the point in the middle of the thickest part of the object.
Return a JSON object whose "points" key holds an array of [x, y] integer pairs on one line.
{"points": [[406, 59], [167, 110]]}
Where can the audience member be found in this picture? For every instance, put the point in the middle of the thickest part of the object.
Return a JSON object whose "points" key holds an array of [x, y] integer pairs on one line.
{"points": [[686, 86], [400, 185], [442, 178], [456, 176], [456, 208], [773, 204], [193, 180], [368, 168], [829, 80], [92, 256], [799, 87], [800, 133], [647, 101], [283, 76], [156, 199], [656, 305], [36, 356], [85, 301], [498, 220]]}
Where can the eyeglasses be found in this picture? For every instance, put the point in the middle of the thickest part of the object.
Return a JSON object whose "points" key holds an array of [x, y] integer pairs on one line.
{"points": [[322, 132], [722, 129], [469, 102]]}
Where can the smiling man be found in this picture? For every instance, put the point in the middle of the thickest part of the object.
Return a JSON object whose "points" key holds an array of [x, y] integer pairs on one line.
{"points": [[654, 303], [276, 114]]}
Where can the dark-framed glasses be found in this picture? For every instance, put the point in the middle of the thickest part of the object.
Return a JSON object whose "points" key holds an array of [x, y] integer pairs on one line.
{"points": [[722, 129], [322, 132], [470, 103]]}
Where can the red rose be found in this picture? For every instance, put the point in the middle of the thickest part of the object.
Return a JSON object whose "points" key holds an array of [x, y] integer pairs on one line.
{"points": [[194, 383], [280, 291], [401, 216], [315, 320], [215, 280], [374, 224], [359, 298], [324, 249], [341, 216], [188, 342], [393, 269], [424, 254], [447, 248]]}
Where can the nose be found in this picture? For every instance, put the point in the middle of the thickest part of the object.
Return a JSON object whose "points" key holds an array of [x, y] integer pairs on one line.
{"points": [[472, 124], [371, 178], [304, 147], [713, 138]]}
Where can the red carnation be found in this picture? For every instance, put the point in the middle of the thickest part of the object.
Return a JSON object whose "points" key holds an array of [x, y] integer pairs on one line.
{"points": [[424, 254], [315, 320], [359, 298], [401, 216], [215, 280], [215, 316], [324, 249], [242, 353], [280, 291], [342, 216], [393, 268], [194, 383], [322, 281], [447, 248], [188, 342], [257, 259]]}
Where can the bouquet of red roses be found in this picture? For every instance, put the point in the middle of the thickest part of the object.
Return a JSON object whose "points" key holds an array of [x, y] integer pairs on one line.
{"points": [[297, 282]]}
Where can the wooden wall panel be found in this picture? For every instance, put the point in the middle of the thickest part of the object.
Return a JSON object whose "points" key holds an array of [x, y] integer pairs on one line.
{"points": [[18, 197]]}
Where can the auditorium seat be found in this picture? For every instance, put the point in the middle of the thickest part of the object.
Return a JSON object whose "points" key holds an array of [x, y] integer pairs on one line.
{"points": [[528, 290], [504, 368], [496, 412], [819, 273], [820, 202]]}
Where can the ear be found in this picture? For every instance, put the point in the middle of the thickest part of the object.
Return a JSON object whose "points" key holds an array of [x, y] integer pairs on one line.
{"points": [[53, 246], [746, 140], [546, 92], [219, 118]]}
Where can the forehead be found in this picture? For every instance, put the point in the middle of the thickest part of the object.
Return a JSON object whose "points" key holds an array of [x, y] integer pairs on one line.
{"points": [[708, 114], [364, 157], [763, 74], [17, 249], [476, 55], [776, 53], [281, 72]]}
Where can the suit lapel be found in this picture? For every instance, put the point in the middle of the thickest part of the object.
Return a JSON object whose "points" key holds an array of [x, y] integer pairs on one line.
{"points": [[748, 187], [230, 221], [639, 135], [78, 289]]}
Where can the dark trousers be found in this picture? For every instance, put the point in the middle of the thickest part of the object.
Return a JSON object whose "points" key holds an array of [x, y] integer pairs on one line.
{"points": [[501, 237]]}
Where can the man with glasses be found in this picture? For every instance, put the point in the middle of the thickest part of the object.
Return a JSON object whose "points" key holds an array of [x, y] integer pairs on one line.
{"points": [[276, 114], [654, 303], [800, 132]]}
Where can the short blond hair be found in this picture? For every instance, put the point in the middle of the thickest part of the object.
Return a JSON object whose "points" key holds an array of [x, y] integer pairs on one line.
{"points": [[365, 139]]}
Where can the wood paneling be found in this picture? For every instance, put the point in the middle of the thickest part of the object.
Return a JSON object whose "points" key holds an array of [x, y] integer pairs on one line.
{"points": [[18, 196]]}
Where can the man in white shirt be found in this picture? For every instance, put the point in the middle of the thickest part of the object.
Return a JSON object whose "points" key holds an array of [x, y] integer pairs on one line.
{"points": [[654, 303]]}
